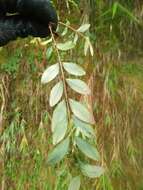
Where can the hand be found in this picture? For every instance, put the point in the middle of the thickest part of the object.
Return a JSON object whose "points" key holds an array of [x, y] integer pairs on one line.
{"points": [[34, 17]]}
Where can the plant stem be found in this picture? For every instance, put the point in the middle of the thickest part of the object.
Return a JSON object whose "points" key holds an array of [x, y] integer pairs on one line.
{"points": [[62, 74], [71, 28]]}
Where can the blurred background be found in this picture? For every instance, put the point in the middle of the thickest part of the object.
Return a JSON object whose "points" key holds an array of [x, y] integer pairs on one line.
{"points": [[115, 76]]}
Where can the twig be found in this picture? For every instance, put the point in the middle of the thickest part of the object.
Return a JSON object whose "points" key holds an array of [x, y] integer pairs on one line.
{"points": [[1, 125], [71, 28], [62, 73], [2, 106]]}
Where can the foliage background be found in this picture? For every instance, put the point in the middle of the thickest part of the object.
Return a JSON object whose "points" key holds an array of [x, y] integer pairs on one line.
{"points": [[115, 75]]}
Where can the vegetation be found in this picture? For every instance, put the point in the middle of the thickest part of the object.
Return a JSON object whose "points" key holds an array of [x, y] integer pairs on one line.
{"points": [[83, 128]]}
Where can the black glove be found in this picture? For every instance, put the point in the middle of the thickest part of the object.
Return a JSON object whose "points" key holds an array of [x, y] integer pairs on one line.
{"points": [[34, 17]]}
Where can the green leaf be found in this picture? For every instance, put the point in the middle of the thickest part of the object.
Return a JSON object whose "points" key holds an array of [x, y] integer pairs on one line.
{"points": [[45, 42], [64, 32], [59, 122], [65, 29], [88, 46], [91, 49], [83, 28], [74, 184], [75, 39], [83, 127], [73, 69], [128, 13], [49, 52], [81, 112], [24, 143], [87, 149], [59, 152], [114, 9], [91, 171], [66, 46], [50, 73], [78, 86], [56, 93]]}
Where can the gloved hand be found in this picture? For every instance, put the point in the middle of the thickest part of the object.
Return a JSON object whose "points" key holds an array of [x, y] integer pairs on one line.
{"points": [[34, 17]]}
